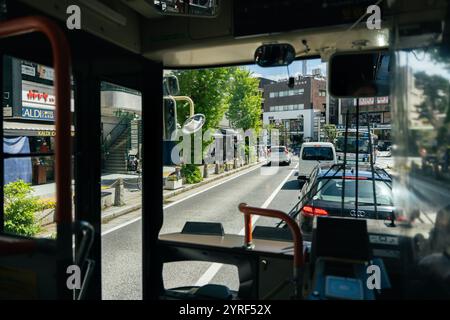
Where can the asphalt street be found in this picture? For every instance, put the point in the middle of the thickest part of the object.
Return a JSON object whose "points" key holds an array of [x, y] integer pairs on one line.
{"points": [[272, 187]]}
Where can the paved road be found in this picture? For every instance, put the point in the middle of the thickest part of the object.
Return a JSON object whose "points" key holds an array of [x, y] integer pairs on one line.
{"points": [[273, 187]]}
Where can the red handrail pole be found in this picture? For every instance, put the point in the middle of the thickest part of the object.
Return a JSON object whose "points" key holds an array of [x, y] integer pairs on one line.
{"points": [[248, 230], [61, 65], [295, 230], [296, 233]]}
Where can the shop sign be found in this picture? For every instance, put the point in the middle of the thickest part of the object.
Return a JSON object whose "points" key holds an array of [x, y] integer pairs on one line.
{"points": [[50, 133], [36, 113], [7, 111], [28, 70], [39, 97], [46, 133], [45, 72], [36, 94], [366, 101], [382, 100]]}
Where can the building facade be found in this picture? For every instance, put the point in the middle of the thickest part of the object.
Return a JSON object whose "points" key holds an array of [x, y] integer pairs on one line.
{"points": [[294, 110], [28, 120], [376, 111]]}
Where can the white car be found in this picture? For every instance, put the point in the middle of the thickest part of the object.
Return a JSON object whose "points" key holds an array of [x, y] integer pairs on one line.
{"points": [[279, 154], [313, 153]]}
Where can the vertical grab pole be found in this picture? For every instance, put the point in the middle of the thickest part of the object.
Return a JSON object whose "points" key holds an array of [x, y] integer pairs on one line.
{"points": [[248, 232], [61, 65], [345, 163], [372, 169], [356, 158]]}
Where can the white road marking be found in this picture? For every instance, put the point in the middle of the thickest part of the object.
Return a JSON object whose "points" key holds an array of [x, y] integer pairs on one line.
{"points": [[215, 267], [181, 200], [121, 225]]}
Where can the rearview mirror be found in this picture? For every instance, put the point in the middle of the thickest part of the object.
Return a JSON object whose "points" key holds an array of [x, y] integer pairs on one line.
{"points": [[361, 74], [171, 86], [274, 55], [193, 8]]}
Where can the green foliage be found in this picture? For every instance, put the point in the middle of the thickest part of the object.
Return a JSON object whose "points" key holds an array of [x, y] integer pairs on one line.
{"points": [[245, 101], [191, 173], [435, 91], [20, 208], [172, 177], [208, 88], [436, 102], [330, 132]]}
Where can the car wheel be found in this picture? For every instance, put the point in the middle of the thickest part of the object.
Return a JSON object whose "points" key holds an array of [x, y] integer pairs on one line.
{"points": [[269, 164]]}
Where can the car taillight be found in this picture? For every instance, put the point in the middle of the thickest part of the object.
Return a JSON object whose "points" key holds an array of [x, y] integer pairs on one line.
{"points": [[310, 211], [285, 151], [354, 178], [401, 218]]}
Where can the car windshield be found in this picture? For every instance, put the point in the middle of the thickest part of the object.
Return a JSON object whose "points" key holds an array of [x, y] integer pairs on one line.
{"points": [[278, 149], [331, 190], [317, 153]]}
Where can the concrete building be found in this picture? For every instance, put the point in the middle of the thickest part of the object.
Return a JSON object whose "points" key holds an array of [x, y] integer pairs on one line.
{"points": [[293, 110], [375, 110]]}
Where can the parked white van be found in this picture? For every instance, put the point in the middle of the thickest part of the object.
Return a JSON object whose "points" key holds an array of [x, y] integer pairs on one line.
{"points": [[313, 153]]}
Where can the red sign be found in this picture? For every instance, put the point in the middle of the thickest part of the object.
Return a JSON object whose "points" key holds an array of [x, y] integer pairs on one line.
{"points": [[32, 95]]}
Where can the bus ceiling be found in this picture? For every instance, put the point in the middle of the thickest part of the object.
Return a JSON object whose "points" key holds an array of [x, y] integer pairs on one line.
{"points": [[229, 36]]}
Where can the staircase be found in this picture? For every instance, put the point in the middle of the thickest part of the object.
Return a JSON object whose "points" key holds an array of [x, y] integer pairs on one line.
{"points": [[116, 146], [116, 158]]}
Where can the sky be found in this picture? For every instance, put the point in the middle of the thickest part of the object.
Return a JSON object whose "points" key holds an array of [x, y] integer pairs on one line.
{"points": [[423, 62], [277, 73]]}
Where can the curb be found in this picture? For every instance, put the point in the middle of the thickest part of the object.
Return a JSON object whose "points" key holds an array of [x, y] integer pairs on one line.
{"points": [[120, 212], [127, 209], [193, 186]]}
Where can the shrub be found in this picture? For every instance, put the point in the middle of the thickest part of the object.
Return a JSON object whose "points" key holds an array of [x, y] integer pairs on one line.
{"points": [[20, 208], [172, 177], [191, 173]]}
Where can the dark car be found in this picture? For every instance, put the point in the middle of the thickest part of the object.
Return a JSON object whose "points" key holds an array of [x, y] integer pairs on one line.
{"points": [[325, 187]]}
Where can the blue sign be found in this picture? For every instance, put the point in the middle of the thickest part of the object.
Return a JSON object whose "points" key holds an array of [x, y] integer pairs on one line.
{"points": [[38, 114]]}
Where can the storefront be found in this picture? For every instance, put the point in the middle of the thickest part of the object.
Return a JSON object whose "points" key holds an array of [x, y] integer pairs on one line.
{"points": [[34, 138], [28, 127]]}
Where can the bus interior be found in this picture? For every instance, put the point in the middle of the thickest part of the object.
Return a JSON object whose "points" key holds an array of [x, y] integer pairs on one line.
{"points": [[138, 44]]}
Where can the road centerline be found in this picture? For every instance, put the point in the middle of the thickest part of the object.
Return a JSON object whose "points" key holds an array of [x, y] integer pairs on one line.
{"points": [[215, 267]]}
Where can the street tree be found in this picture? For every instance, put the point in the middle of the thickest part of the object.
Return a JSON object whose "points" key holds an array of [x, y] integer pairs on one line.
{"points": [[330, 132], [209, 89], [244, 110]]}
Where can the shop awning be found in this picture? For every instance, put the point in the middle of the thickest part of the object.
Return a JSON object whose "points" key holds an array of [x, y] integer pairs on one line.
{"points": [[29, 129]]}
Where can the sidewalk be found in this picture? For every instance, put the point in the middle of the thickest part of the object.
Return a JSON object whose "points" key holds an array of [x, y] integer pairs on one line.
{"points": [[48, 190], [211, 177], [132, 195]]}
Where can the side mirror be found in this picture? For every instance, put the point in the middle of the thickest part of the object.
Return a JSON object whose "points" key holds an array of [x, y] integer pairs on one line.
{"points": [[171, 86], [274, 55], [361, 74]]}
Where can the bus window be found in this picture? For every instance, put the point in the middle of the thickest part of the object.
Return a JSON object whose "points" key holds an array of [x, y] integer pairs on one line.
{"points": [[121, 189], [421, 148], [29, 129], [206, 175]]}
